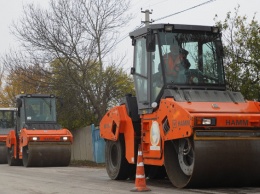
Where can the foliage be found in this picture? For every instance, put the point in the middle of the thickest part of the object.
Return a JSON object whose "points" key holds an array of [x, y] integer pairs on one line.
{"points": [[242, 57], [29, 80], [63, 53], [86, 103]]}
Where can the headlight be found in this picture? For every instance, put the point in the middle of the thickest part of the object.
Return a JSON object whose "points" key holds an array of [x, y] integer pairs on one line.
{"points": [[65, 138], [34, 138], [206, 121], [201, 121], [215, 29], [168, 28]]}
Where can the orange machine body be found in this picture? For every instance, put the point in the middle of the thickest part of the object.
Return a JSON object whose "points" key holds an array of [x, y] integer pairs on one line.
{"points": [[181, 118], [190, 127], [29, 136], [38, 140], [7, 123]]}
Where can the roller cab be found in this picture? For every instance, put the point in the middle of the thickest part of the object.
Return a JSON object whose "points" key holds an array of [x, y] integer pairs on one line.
{"points": [[191, 128], [38, 140], [7, 123]]}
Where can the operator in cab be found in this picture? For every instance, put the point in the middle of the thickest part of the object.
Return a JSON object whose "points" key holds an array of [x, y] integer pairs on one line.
{"points": [[176, 63]]}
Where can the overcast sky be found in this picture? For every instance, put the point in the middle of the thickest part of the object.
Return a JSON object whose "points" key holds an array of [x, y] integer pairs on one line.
{"points": [[11, 10]]}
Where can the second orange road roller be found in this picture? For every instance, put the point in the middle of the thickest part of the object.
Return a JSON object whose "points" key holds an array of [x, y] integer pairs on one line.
{"points": [[191, 128], [7, 123], [38, 140]]}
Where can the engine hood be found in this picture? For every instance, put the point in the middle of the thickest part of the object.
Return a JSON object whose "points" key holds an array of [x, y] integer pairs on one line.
{"points": [[208, 101]]}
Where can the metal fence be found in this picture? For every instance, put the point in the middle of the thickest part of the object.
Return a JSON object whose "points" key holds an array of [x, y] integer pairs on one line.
{"points": [[87, 145]]}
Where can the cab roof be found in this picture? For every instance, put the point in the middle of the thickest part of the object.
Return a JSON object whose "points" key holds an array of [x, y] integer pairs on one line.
{"points": [[174, 27], [35, 96]]}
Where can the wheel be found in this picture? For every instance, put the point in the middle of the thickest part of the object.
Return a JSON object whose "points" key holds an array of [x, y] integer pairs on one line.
{"points": [[179, 160], [194, 76], [11, 159], [116, 164]]}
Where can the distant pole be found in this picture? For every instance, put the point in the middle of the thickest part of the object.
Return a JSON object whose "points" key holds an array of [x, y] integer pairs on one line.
{"points": [[147, 17]]}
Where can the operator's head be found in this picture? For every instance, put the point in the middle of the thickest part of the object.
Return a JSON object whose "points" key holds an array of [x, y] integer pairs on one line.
{"points": [[184, 52]]}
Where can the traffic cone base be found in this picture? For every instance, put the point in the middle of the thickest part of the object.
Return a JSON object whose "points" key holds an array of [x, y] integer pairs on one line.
{"points": [[140, 180]]}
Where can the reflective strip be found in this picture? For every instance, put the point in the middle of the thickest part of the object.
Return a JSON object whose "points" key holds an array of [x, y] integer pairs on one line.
{"points": [[140, 153], [140, 164], [140, 176]]}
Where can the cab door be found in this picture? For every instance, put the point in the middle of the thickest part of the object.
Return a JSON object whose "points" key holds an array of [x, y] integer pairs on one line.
{"points": [[141, 75]]}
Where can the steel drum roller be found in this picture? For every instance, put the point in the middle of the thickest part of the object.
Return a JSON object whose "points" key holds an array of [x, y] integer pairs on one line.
{"points": [[211, 163], [47, 154], [3, 154]]}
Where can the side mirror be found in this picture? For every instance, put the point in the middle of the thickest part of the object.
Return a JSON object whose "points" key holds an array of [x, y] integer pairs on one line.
{"points": [[132, 70], [60, 101], [150, 42], [19, 103], [220, 49]]}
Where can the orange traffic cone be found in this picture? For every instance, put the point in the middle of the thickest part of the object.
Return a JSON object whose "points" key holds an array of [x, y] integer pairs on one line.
{"points": [[140, 181]]}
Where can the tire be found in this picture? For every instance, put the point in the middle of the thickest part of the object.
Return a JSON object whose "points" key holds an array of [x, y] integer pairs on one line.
{"points": [[11, 159], [116, 164]]}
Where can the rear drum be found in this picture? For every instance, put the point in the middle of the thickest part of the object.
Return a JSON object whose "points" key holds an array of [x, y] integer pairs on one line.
{"points": [[117, 166]]}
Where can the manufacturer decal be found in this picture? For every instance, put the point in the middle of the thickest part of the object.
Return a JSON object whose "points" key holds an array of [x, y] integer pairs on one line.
{"points": [[50, 138], [184, 123], [174, 123], [215, 106], [180, 123], [155, 133], [237, 122], [106, 125], [155, 148]]}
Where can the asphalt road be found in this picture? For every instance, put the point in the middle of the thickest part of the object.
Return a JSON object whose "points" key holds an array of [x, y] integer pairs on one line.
{"points": [[81, 180]]}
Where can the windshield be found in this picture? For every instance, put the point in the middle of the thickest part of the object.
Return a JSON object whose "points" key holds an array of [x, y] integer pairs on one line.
{"points": [[7, 121], [40, 109], [189, 58]]}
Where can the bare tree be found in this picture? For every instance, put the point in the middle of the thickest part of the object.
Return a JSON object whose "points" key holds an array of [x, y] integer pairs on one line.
{"points": [[1, 74], [104, 19], [77, 35], [78, 30]]}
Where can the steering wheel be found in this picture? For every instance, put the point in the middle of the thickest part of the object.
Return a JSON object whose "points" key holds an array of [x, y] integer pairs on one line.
{"points": [[195, 76]]}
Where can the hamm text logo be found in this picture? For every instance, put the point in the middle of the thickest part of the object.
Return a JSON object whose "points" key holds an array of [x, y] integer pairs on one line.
{"points": [[237, 122]]}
